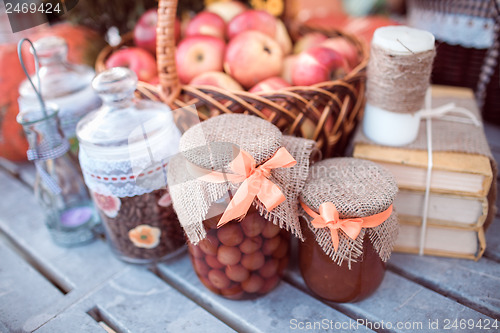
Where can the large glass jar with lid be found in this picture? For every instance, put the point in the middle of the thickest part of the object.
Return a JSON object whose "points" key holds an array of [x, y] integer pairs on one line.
{"points": [[62, 83], [124, 149]]}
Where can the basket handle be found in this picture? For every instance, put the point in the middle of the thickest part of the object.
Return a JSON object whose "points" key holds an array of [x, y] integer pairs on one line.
{"points": [[165, 51]]}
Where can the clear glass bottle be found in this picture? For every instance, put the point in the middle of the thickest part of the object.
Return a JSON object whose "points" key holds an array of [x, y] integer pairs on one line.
{"points": [[59, 186], [124, 149], [62, 83]]}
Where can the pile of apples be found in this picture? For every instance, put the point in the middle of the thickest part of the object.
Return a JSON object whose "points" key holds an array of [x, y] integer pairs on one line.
{"points": [[232, 47]]}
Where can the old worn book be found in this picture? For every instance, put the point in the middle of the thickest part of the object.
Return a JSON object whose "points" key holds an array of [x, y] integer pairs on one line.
{"points": [[458, 173], [467, 243], [462, 188], [444, 209], [462, 163]]}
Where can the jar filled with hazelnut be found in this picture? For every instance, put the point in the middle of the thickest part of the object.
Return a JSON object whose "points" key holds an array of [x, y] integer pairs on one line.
{"points": [[235, 187]]}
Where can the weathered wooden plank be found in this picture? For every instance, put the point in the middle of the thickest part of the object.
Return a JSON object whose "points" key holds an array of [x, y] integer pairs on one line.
{"points": [[136, 300], [162, 308], [279, 311], [21, 220], [475, 284], [400, 305], [27, 173], [24, 171], [3, 328], [71, 321], [493, 241], [9, 166], [24, 293]]}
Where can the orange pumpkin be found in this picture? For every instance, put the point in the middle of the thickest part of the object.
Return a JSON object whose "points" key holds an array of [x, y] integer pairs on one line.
{"points": [[13, 144], [83, 46]]}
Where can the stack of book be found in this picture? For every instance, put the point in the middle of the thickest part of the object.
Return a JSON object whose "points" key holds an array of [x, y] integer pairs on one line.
{"points": [[462, 187]]}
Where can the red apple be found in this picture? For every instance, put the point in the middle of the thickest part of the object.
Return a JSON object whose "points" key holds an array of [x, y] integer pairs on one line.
{"points": [[283, 38], [288, 64], [270, 84], [345, 48], [227, 9], [309, 127], [264, 22], [138, 60], [318, 64], [198, 54], [308, 40], [259, 20], [155, 80], [252, 57], [206, 23], [364, 27], [145, 31], [216, 79]]}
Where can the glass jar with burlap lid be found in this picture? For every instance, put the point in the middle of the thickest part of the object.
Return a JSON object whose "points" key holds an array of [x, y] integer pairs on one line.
{"points": [[235, 187], [349, 228]]}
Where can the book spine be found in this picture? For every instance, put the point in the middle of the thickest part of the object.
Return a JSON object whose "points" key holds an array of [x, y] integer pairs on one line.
{"points": [[480, 246]]}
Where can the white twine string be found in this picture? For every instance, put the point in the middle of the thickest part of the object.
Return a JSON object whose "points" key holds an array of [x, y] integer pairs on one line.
{"points": [[440, 113]]}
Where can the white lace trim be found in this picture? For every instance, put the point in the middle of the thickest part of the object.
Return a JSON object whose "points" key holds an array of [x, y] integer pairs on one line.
{"points": [[463, 30], [118, 178]]}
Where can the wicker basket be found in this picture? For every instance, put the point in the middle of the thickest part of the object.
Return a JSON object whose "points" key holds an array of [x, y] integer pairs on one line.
{"points": [[331, 109], [456, 65], [460, 62]]}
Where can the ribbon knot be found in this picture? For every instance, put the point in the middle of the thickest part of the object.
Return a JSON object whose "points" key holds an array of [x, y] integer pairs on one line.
{"points": [[261, 172], [254, 181], [328, 217]]}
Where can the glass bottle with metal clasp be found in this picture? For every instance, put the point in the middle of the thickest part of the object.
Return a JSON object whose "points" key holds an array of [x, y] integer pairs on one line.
{"points": [[59, 186]]}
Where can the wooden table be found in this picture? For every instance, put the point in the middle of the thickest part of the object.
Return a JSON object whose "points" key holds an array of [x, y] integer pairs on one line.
{"points": [[46, 288]]}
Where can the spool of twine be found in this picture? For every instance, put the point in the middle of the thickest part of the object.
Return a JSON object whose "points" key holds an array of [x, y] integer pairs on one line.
{"points": [[398, 82]]}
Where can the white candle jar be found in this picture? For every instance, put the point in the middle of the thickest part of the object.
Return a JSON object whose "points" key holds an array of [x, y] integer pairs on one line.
{"points": [[398, 78]]}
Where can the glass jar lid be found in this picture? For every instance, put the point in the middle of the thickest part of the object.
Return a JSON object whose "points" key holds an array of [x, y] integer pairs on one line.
{"points": [[58, 77], [124, 125]]}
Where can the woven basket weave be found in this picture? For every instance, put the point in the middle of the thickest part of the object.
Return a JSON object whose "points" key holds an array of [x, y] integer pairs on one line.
{"points": [[331, 109], [464, 65]]}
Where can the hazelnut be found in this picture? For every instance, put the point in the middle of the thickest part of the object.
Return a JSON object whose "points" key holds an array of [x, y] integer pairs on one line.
{"points": [[228, 255]]}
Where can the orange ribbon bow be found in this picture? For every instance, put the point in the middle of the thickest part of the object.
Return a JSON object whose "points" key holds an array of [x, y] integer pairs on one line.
{"points": [[328, 217], [254, 182]]}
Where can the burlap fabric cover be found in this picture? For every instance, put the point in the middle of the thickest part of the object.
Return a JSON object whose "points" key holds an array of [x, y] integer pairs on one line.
{"points": [[212, 145], [398, 82], [357, 188], [454, 137]]}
